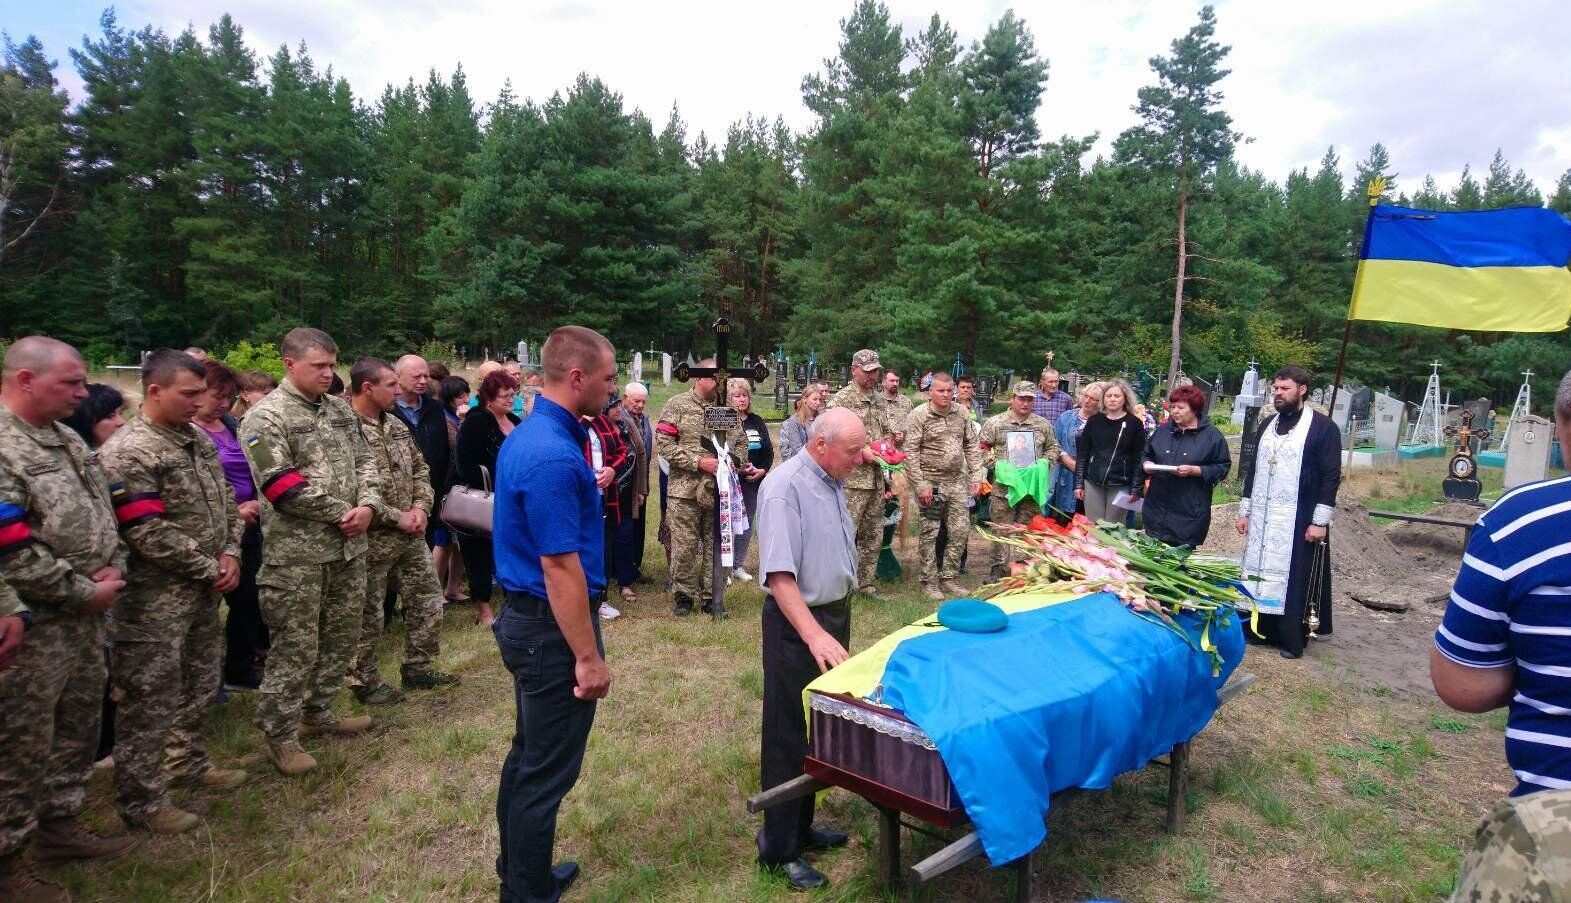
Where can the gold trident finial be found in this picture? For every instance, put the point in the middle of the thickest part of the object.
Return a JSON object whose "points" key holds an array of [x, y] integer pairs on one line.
{"points": [[1377, 188]]}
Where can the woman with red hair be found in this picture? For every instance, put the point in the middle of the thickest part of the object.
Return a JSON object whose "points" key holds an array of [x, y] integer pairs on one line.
{"points": [[1185, 458]]}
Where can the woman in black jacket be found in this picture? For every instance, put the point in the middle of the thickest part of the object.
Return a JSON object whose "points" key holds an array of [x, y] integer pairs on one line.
{"points": [[479, 440], [1107, 456], [1185, 459]]}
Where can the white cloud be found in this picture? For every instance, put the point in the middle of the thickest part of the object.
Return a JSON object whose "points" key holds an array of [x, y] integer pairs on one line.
{"points": [[1440, 83]]}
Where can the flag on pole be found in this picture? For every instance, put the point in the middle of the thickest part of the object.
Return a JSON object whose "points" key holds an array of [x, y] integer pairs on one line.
{"points": [[1491, 270]]}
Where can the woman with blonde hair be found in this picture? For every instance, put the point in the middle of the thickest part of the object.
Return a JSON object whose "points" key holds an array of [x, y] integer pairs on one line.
{"points": [[1108, 453], [793, 432]]}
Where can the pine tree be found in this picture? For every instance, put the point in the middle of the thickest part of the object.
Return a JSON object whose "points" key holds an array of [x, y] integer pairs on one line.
{"points": [[33, 143], [1183, 135]]}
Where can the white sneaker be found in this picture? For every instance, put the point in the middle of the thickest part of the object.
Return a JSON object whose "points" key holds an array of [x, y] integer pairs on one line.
{"points": [[608, 613], [742, 574]]}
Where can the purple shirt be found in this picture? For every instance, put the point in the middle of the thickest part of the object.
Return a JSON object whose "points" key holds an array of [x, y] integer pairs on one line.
{"points": [[1052, 406], [236, 470]]}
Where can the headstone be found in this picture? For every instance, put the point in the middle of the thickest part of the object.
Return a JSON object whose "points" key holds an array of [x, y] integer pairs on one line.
{"points": [[636, 371], [1342, 408], [1389, 414], [523, 354], [845, 374], [665, 368], [1249, 395], [782, 385], [986, 386], [801, 376], [1318, 397], [1527, 450], [1248, 444]]}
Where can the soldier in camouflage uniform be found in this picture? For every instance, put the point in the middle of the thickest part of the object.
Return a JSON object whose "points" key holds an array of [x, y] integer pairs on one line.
{"points": [[14, 618], [680, 438], [178, 515], [61, 553], [944, 465], [864, 489], [1522, 852], [897, 403], [320, 491], [994, 439], [397, 541]]}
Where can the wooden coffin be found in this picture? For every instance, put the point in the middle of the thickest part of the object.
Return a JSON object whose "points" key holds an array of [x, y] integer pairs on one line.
{"points": [[878, 753]]}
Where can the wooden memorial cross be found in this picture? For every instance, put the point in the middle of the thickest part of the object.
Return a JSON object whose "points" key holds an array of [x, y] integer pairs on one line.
{"points": [[720, 419]]}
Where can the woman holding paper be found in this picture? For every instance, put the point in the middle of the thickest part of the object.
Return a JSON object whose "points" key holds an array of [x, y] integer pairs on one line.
{"points": [[1184, 460], [1108, 454]]}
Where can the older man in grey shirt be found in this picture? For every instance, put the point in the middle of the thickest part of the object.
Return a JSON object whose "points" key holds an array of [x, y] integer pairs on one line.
{"points": [[807, 565]]}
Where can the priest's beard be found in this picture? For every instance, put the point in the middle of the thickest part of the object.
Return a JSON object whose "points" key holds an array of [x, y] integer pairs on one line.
{"points": [[1287, 405]]}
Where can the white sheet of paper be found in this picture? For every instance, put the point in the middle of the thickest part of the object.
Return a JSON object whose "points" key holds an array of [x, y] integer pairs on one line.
{"points": [[1153, 467], [1128, 502]]}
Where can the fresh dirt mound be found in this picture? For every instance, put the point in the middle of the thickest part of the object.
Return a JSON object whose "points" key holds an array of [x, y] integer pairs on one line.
{"points": [[1435, 545], [1372, 648]]}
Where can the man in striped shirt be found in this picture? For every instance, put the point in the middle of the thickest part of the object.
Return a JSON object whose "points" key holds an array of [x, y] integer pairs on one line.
{"points": [[1506, 636]]}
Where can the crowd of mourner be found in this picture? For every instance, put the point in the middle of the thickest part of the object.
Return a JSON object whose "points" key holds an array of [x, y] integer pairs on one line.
{"points": [[314, 509]]}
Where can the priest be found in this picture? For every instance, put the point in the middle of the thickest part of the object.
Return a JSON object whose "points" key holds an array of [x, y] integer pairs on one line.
{"points": [[1285, 515]]}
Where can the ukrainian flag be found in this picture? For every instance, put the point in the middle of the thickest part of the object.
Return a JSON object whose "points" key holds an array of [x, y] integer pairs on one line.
{"points": [[1490, 270]]}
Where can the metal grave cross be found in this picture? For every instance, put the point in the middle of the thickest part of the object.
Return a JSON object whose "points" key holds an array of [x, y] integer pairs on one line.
{"points": [[719, 419]]}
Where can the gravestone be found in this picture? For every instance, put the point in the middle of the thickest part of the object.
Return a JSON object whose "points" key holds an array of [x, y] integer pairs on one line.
{"points": [[1527, 449], [985, 388], [1389, 414], [1318, 397], [636, 371], [845, 374], [782, 385], [1248, 444], [523, 354], [1342, 409], [801, 376], [665, 368], [1249, 395]]}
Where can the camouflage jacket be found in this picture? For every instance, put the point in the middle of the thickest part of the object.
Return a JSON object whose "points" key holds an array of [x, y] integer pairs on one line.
{"points": [[10, 603], [176, 510], [940, 448], [57, 527], [681, 439], [405, 476], [312, 465], [874, 412], [898, 411], [995, 435]]}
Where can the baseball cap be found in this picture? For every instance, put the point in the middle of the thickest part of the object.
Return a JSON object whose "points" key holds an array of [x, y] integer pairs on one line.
{"points": [[866, 359], [1024, 388]]}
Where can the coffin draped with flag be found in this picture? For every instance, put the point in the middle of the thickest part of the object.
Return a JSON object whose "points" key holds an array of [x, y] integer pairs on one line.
{"points": [[1490, 270], [1073, 692]]}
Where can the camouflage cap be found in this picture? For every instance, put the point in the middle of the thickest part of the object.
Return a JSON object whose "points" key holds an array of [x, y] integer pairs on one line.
{"points": [[1024, 388], [866, 359]]}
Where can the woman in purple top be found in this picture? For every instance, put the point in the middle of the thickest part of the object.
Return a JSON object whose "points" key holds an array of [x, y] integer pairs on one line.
{"points": [[245, 633]]}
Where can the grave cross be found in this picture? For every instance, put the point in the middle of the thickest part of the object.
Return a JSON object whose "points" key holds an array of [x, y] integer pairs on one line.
{"points": [[718, 420]]}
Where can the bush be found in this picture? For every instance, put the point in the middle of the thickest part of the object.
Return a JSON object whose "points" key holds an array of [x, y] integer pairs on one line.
{"points": [[263, 357], [435, 350]]}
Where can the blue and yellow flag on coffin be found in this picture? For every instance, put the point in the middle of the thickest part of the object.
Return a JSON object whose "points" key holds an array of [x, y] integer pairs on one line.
{"points": [[1491, 270]]}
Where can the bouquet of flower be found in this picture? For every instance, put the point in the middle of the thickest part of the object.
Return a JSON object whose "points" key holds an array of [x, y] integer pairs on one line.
{"points": [[1150, 576]]}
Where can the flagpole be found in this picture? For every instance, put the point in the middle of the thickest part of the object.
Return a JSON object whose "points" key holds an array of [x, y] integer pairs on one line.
{"points": [[1377, 188]]}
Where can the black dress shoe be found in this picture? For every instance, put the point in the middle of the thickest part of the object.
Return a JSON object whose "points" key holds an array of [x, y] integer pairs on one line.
{"points": [[819, 839], [802, 876], [1286, 654], [565, 874]]}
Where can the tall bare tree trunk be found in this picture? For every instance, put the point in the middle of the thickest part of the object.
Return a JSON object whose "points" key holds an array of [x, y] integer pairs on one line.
{"points": [[1178, 292]]}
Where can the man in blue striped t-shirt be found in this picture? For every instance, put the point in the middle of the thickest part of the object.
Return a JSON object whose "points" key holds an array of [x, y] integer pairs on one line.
{"points": [[1506, 636]]}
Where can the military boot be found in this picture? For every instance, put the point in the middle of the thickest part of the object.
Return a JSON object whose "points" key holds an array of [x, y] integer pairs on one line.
{"points": [[19, 884], [429, 680], [64, 838], [953, 589], [342, 727], [381, 694], [168, 819], [932, 592], [222, 778], [684, 604], [289, 758]]}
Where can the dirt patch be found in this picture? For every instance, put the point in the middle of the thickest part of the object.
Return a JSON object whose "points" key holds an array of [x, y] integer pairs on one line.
{"points": [[1409, 569]]}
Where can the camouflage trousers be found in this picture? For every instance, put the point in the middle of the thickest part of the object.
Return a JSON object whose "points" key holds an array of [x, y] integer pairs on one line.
{"points": [[948, 510], [1522, 851], [999, 512], [51, 700], [406, 558], [866, 507], [692, 527], [167, 672], [313, 615]]}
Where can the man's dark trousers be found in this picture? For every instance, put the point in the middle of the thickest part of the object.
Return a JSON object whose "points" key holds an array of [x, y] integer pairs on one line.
{"points": [[548, 745], [788, 668]]}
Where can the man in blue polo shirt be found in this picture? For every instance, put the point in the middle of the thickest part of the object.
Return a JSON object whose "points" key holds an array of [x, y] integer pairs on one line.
{"points": [[550, 556], [1506, 636]]}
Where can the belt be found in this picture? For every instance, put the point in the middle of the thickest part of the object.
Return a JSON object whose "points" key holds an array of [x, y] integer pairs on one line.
{"points": [[528, 604]]}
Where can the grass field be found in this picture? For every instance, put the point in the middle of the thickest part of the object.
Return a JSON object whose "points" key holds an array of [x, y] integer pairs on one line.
{"points": [[1303, 789]]}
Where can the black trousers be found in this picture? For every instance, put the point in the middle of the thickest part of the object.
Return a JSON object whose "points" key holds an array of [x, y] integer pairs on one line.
{"points": [[788, 669], [245, 633], [628, 547], [479, 564], [549, 737]]}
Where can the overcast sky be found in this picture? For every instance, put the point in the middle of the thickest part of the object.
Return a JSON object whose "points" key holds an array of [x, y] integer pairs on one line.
{"points": [[1440, 82]]}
